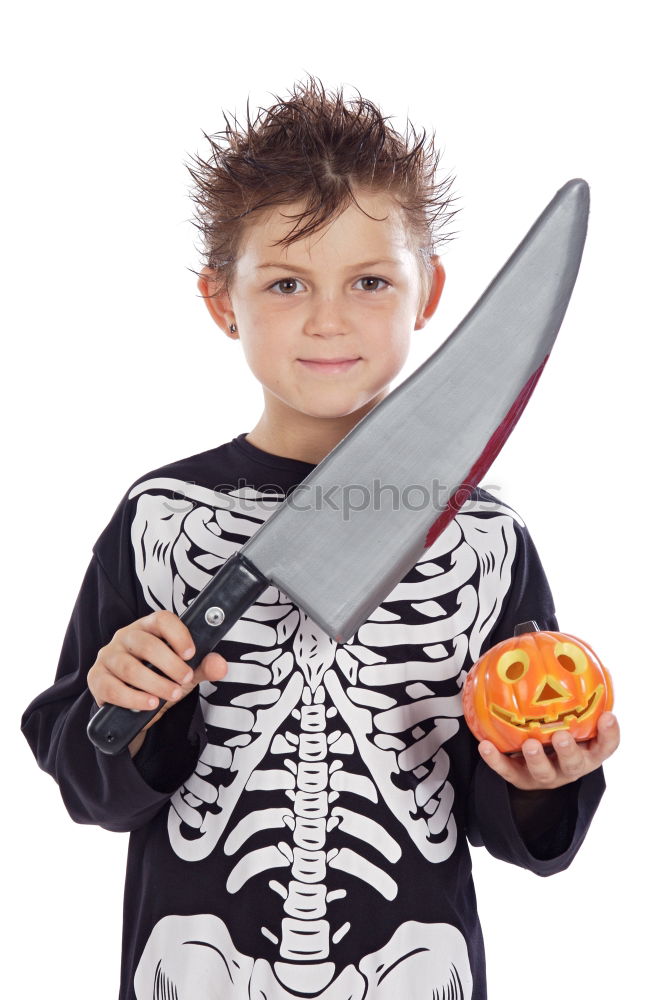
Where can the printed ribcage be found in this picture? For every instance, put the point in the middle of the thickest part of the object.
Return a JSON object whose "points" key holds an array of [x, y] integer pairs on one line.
{"points": [[335, 733]]}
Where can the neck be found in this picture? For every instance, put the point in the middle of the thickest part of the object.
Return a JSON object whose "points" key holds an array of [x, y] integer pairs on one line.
{"points": [[303, 437]]}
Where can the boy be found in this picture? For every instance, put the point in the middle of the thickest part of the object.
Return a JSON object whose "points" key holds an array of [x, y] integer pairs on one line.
{"points": [[299, 809]]}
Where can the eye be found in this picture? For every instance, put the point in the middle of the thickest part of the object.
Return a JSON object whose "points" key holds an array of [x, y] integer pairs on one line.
{"points": [[571, 658], [513, 665], [285, 281], [374, 279]]}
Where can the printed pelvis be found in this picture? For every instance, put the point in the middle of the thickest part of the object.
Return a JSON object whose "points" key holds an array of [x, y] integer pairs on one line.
{"points": [[193, 958]]}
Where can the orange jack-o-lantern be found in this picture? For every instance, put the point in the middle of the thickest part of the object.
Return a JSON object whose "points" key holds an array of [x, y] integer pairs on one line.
{"points": [[534, 685]]}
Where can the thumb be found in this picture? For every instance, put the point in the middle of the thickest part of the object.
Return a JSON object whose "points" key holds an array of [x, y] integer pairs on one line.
{"points": [[213, 667]]}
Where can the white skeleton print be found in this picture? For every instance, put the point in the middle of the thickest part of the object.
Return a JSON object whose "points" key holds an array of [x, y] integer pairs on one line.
{"points": [[309, 741], [187, 958]]}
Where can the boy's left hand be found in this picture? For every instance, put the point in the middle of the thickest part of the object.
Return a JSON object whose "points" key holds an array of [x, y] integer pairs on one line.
{"points": [[537, 770]]}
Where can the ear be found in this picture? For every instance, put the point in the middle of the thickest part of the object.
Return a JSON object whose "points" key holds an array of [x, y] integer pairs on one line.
{"points": [[435, 291], [217, 300]]}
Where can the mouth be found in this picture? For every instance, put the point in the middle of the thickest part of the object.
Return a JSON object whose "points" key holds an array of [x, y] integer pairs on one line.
{"points": [[548, 723], [329, 366]]}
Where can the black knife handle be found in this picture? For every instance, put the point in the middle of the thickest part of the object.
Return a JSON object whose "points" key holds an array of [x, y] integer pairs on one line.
{"points": [[233, 589]]}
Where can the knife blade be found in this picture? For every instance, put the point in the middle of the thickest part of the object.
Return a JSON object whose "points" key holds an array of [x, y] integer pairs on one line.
{"points": [[437, 433]]}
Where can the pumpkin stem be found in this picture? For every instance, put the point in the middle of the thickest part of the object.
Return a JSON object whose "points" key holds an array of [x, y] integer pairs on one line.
{"points": [[526, 627]]}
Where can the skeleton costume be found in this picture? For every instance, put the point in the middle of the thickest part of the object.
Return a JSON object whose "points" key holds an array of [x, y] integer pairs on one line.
{"points": [[300, 829]]}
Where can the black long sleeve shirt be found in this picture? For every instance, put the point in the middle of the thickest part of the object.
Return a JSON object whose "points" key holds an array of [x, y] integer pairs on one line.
{"points": [[301, 828]]}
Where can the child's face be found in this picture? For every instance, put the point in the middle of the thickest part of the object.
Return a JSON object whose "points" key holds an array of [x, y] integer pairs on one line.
{"points": [[351, 291]]}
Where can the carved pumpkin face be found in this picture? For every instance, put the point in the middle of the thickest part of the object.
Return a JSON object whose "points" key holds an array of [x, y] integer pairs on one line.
{"points": [[534, 685]]}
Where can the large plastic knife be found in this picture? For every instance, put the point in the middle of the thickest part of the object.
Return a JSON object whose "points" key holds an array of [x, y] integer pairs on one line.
{"points": [[436, 434]]}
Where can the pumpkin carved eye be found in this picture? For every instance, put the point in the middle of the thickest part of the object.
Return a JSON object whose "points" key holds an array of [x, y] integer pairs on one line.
{"points": [[512, 666], [571, 658]]}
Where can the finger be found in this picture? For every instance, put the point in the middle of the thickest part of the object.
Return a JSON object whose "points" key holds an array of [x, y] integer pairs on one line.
{"points": [[606, 742], [511, 770], [172, 629], [109, 689], [127, 671], [135, 673], [572, 758], [540, 767], [608, 733], [153, 650], [213, 667]]}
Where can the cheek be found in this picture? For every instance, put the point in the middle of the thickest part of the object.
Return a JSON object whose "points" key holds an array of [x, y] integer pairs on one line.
{"points": [[261, 357], [394, 349], [261, 334]]}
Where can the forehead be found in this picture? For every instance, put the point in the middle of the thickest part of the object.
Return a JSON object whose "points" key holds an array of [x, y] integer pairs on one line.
{"points": [[377, 227]]}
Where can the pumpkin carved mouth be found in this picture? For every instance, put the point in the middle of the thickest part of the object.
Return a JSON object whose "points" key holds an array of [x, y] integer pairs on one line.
{"points": [[548, 723]]}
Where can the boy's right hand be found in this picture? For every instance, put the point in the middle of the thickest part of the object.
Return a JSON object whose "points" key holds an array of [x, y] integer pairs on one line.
{"points": [[120, 676]]}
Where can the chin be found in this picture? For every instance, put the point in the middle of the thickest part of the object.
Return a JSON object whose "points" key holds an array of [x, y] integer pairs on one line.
{"points": [[330, 413], [337, 403], [330, 402]]}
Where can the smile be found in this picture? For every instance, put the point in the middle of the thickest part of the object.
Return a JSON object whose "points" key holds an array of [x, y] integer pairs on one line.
{"points": [[547, 723], [329, 367]]}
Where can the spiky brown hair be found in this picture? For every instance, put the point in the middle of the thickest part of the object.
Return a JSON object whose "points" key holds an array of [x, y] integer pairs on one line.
{"points": [[316, 148]]}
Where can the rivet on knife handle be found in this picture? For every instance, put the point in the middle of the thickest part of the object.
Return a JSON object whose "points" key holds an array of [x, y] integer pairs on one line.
{"points": [[232, 590]]}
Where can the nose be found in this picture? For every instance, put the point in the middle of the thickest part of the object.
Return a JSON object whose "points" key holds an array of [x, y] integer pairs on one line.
{"points": [[551, 691], [326, 316]]}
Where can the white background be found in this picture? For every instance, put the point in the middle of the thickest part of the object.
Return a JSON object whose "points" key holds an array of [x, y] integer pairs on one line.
{"points": [[112, 367]]}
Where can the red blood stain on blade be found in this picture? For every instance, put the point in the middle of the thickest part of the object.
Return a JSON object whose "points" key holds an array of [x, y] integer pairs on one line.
{"points": [[494, 444]]}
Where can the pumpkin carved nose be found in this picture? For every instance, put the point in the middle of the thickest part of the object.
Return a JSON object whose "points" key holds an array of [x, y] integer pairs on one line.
{"points": [[550, 692]]}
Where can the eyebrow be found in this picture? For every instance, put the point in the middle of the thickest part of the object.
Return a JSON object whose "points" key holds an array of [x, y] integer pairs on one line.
{"points": [[282, 266]]}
